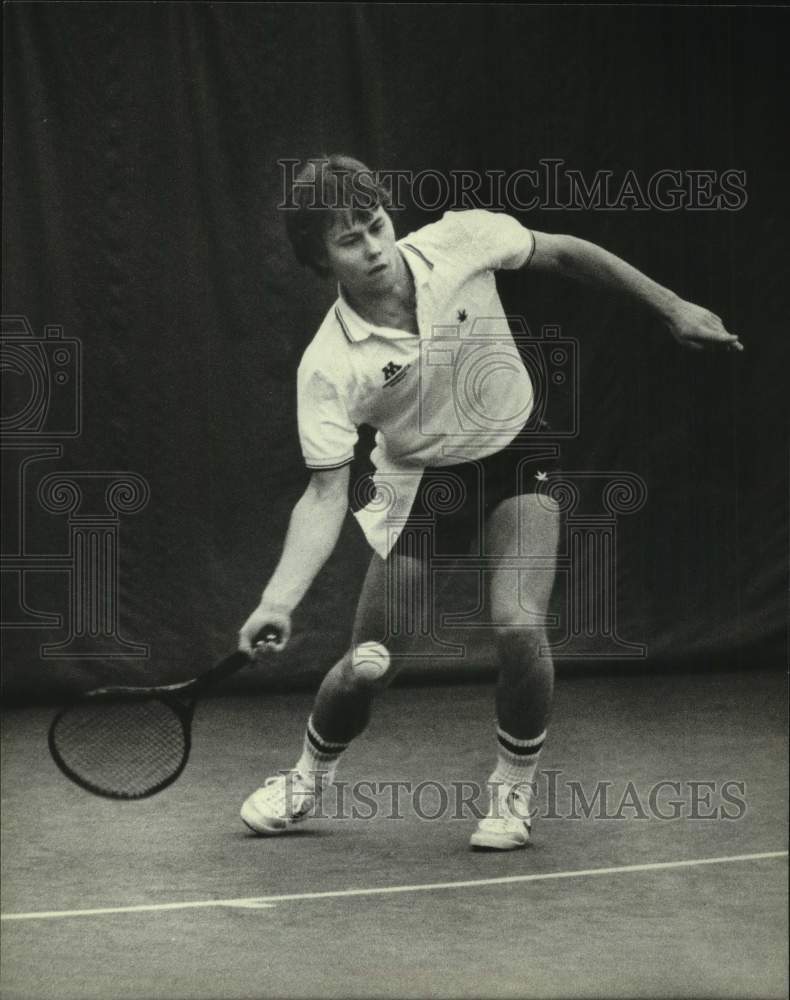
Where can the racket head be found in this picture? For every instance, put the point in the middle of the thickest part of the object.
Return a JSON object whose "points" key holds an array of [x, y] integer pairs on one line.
{"points": [[122, 743], [131, 742]]}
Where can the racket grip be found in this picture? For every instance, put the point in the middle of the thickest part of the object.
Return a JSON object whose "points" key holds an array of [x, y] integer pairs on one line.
{"points": [[268, 635]]}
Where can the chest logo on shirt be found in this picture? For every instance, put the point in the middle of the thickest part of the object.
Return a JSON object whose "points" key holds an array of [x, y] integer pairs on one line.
{"points": [[461, 315], [394, 373]]}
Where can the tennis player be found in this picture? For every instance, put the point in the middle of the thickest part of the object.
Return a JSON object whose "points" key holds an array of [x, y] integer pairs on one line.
{"points": [[411, 315]]}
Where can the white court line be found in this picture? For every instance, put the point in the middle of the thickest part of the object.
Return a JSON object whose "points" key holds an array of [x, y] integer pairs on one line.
{"points": [[267, 902], [252, 903]]}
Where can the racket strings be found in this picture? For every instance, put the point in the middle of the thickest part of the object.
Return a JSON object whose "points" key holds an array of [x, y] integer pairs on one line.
{"points": [[123, 749]]}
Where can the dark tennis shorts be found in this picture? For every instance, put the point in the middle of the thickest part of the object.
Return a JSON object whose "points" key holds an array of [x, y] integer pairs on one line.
{"points": [[454, 501]]}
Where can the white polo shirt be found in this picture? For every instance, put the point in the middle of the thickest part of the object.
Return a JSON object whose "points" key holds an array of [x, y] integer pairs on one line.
{"points": [[456, 392]]}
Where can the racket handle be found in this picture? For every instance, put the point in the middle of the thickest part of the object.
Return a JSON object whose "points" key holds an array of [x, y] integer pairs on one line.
{"points": [[268, 635]]}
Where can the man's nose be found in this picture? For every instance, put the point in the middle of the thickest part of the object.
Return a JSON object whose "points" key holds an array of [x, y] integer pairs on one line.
{"points": [[372, 246]]}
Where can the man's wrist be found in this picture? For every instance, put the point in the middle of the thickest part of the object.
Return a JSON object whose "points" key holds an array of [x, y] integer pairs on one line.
{"points": [[277, 604], [668, 306]]}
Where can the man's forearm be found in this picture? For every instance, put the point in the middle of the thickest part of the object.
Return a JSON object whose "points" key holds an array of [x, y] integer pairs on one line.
{"points": [[591, 264], [691, 325], [313, 532]]}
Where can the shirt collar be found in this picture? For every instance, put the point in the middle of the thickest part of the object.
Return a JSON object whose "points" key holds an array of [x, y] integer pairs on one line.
{"points": [[358, 329]]}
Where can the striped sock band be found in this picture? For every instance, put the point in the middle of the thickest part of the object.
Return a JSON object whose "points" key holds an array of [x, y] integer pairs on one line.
{"points": [[517, 760], [319, 756]]}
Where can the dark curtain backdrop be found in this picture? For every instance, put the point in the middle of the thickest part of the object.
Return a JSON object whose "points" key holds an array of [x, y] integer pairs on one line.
{"points": [[140, 214]]}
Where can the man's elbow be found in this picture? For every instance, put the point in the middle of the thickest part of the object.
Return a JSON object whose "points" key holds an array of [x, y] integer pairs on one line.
{"points": [[329, 487]]}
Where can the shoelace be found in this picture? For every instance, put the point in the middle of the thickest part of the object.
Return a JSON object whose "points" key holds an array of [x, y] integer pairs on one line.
{"points": [[509, 806], [518, 808], [300, 794]]}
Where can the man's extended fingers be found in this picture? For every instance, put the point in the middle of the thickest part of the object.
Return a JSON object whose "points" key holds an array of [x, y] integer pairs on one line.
{"points": [[730, 341], [699, 328], [716, 336]]}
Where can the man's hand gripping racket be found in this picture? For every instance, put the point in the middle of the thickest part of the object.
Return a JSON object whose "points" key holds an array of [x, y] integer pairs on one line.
{"points": [[132, 742]]}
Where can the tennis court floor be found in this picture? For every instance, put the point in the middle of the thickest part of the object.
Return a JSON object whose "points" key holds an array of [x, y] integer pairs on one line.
{"points": [[620, 903]]}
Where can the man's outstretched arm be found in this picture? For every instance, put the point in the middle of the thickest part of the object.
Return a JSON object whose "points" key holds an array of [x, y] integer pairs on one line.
{"points": [[691, 325], [313, 532]]}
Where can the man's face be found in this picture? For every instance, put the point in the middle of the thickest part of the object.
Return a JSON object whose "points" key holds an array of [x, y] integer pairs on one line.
{"points": [[362, 255]]}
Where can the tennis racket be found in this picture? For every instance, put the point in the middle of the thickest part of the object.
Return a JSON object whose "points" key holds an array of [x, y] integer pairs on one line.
{"points": [[132, 742]]}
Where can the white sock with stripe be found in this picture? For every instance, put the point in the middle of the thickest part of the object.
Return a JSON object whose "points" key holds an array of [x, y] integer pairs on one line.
{"points": [[319, 758], [517, 761]]}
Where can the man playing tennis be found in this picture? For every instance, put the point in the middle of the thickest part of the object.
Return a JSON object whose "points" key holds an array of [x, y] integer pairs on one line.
{"points": [[410, 315]]}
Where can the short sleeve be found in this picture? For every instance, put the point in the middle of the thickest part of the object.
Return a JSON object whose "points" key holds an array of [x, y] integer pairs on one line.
{"points": [[326, 433], [497, 241]]}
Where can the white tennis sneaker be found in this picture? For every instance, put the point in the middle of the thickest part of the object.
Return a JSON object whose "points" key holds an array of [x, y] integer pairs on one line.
{"points": [[507, 826], [283, 801]]}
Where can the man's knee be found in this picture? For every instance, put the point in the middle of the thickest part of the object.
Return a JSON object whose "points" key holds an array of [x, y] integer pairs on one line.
{"points": [[521, 643]]}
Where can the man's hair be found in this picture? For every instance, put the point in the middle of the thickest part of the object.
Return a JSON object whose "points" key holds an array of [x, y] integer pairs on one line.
{"points": [[322, 190]]}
